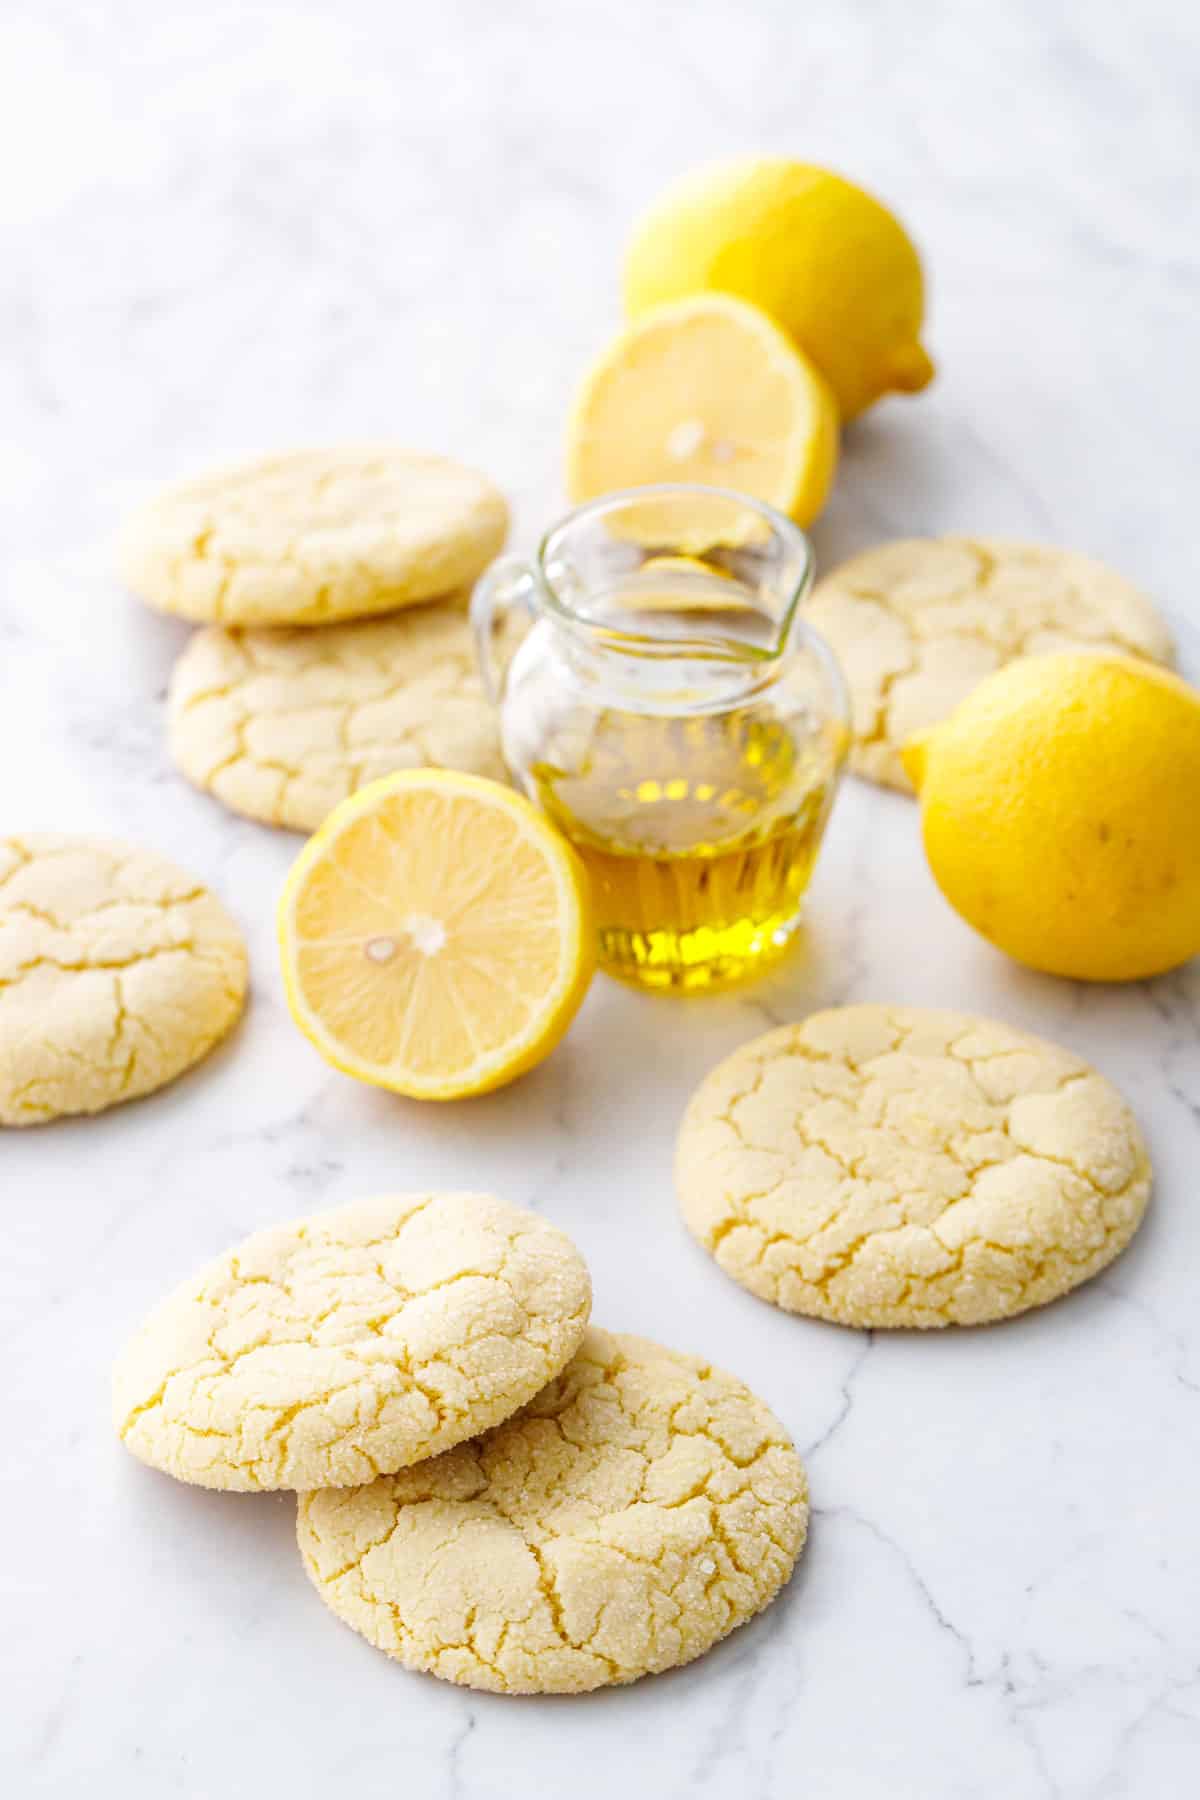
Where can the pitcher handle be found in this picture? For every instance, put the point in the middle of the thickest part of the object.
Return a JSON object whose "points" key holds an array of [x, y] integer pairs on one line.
{"points": [[507, 583]]}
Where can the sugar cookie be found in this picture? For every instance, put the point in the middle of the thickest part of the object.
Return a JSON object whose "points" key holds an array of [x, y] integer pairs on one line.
{"points": [[118, 971], [281, 725], [888, 1165], [917, 623], [307, 537], [638, 1510], [343, 1346]]}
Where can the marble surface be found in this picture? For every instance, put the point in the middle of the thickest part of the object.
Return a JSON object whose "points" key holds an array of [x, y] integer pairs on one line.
{"points": [[228, 227]]}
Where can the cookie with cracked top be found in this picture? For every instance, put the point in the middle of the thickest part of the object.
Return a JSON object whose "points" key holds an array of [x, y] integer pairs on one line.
{"points": [[281, 725], [898, 1166], [118, 971], [636, 1511], [308, 537], [335, 1348], [917, 623]]}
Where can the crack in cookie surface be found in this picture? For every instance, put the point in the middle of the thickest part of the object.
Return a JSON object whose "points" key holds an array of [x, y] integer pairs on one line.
{"points": [[638, 1509], [917, 623], [118, 971], [895, 1166], [282, 725], [333, 1349]]}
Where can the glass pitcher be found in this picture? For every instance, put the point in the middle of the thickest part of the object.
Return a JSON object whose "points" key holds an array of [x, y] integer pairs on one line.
{"points": [[673, 715]]}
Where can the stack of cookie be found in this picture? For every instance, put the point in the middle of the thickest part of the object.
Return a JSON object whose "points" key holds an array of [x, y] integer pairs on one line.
{"points": [[331, 585], [488, 1489]]}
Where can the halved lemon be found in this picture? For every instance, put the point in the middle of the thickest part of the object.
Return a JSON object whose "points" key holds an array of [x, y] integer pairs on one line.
{"points": [[436, 935], [706, 390]]}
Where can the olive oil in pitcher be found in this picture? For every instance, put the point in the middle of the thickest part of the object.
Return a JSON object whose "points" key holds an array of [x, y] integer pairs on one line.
{"points": [[676, 720]]}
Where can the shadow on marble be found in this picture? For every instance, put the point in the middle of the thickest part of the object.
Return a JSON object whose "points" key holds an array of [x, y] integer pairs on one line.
{"points": [[897, 468]]}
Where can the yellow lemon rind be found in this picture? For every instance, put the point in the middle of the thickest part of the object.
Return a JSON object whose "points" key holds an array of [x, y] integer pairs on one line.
{"points": [[826, 259], [1069, 847]]}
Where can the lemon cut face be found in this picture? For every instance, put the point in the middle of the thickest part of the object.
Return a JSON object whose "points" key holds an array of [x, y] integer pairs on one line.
{"points": [[707, 390], [436, 935]]}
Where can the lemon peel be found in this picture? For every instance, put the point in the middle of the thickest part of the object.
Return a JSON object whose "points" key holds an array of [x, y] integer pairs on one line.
{"points": [[829, 263], [1058, 812]]}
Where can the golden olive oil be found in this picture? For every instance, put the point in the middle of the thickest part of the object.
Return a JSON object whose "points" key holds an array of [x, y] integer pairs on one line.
{"points": [[699, 832]]}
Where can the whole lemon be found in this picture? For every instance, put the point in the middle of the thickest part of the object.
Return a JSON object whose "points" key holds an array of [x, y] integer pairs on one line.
{"points": [[1060, 806], [832, 266]]}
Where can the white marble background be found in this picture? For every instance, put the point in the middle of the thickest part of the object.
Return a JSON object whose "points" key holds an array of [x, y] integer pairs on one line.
{"points": [[227, 226]]}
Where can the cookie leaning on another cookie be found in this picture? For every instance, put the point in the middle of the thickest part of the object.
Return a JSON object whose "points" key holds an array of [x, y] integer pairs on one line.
{"points": [[641, 1507], [281, 725], [916, 624], [893, 1166], [343, 1346], [118, 971], [308, 537]]}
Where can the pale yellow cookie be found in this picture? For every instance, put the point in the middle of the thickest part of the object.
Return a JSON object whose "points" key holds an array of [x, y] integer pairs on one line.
{"points": [[892, 1166], [343, 1346], [307, 537], [916, 624], [281, 725], [638, 1510], [118, 971]]}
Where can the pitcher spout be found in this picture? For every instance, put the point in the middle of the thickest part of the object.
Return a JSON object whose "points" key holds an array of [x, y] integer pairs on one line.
{"points": [[705, 574]]}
